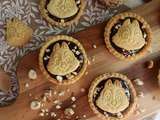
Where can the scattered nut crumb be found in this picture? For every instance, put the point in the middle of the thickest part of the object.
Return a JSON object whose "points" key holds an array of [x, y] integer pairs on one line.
{"points": [[55, 92], [61, 93], [59, 78], [58, 107], [68, 90], [119, 115], [44, 98], [56, 102], [138, 82], [83, 90], [84, 116], [150, 64], [137, 112], [74, 106], [69, 76], [53, 114], [142, 110], [140, 94], [93, 59], [41, 114], [35, 105], [62, 20], [94, 46], [73, 99], [30, 94], [26, 85], [32, 74], [86, 73], [105, 114], [89, 63], [69, 112]]}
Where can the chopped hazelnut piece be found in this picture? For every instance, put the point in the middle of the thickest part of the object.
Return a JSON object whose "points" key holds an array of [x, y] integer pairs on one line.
{"points": [[138, 82], [32, 74], [35, 105], [150, 64], [69, 112]]}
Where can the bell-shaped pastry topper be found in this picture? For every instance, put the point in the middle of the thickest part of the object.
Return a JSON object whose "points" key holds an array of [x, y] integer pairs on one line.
{"points": [[62, 8], [113, 99], [129, 36], [62, 60]]}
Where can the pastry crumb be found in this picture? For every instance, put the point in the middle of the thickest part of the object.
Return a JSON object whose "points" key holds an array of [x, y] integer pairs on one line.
{"points": [[73, 99], [41, 114], [58, 107], [140, 94], [119, 115], [59, 78], [69, 112], [62, 93], [26, 85], [32, 74], [86, 73], [138, 82], [35, 105], [82, 90], [142, 110], [74, 106], [150, 64], [53, 114], [94, 46]]}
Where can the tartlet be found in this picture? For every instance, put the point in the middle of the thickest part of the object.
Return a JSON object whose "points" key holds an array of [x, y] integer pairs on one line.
{"points": [[128, 36], [62, 60], [17, 32], [62, 12], [112, 96]]}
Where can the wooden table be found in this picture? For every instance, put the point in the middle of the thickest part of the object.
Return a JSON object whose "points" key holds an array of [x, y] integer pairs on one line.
{"points": [[104, 62]]}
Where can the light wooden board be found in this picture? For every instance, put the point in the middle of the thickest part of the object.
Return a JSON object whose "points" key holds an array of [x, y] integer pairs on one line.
{"points": [[104, 62]]}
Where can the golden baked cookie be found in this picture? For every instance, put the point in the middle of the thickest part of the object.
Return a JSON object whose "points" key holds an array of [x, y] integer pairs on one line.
{"points": [[112, 96], [62, 12], [18, 33], [128, 36], [62, 60], [62, 8]]}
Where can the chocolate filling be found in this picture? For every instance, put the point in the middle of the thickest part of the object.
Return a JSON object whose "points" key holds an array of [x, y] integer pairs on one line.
{"points": [[72, 46], [101, 87], [126, 53], [59, 19]]}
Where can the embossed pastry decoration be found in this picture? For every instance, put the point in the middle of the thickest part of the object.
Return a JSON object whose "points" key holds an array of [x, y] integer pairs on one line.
{"points": [[62, 8], [113, 98], [62, 60], [129, 36], [17, 33], [62, 12]]}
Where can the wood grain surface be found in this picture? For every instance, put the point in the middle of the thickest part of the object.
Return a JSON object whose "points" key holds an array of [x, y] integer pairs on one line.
{"points": [[103, 62]]}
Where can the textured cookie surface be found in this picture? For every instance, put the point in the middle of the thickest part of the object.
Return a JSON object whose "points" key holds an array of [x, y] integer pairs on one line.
{"points": [[18, 33], [129, 36], [62, 8], [113, 98], [63, 60]]}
